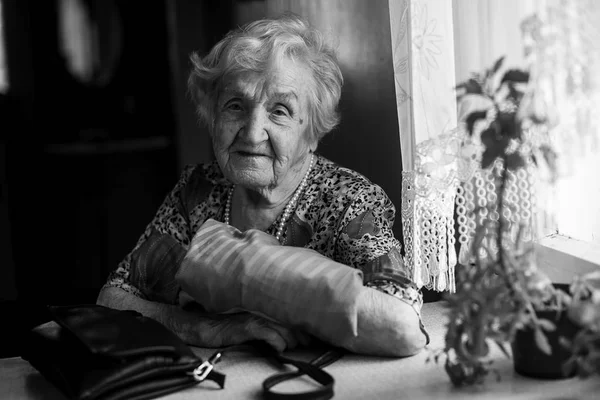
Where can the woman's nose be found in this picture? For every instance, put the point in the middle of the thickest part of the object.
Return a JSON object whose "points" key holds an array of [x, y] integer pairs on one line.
{"points": [[255, 127]]}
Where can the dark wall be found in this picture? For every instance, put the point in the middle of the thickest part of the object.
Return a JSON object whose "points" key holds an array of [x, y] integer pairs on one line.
{"points": [[8, 288], [195, 26], [88, 163]]}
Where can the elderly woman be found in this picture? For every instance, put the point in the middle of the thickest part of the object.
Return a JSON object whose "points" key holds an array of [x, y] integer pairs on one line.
{"points": [[268, 93]]}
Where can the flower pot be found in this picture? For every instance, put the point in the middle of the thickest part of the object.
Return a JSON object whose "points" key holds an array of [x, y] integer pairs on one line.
{"points": [[529, 360]]}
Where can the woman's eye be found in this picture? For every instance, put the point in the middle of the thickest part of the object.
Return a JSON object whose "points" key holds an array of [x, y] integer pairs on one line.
{"points": [[281, 111], [234, 106]]}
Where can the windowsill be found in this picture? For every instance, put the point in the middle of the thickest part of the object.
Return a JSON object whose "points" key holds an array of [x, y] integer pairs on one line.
{"points": [[562, 257]]}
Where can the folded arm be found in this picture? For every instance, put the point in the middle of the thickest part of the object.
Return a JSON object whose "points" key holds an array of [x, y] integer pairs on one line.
{"points": [[387, 326], [203, 329], [389, 321]]}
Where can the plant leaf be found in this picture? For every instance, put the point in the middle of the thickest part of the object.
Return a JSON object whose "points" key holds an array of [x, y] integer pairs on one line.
{"points": [[550, 157], [513, 94], [537, 119], [546, 325], [515, 161], [489, 156], [542, 341], [471, 86], [488, 137], [497, 65], [569, 366], [515, 75], [534, 159], [495, 145], [508, 124], [566, 343], [503, 348], [472, 118]]}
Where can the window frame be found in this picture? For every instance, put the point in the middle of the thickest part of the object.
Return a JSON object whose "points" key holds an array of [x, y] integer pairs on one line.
{"points": [[555, 251]]}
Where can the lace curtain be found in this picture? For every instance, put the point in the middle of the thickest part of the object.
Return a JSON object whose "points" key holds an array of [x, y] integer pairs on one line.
{"points": [[423, 54], [442, 184]]}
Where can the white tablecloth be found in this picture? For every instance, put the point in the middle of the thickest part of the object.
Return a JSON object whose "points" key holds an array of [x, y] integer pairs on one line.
{"points": [[357, 377]]}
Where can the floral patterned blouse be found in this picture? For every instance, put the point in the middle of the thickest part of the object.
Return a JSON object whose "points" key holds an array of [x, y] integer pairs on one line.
{"points": [[341, 215]]}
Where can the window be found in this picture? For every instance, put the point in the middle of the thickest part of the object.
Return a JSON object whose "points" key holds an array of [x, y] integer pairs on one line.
{"points": [[570, 55]]}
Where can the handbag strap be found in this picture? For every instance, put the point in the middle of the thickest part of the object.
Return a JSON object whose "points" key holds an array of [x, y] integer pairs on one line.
{"points": [[312, 369]]}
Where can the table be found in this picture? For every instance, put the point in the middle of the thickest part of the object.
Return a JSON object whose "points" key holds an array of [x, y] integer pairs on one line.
{"points": [[357, 377]]}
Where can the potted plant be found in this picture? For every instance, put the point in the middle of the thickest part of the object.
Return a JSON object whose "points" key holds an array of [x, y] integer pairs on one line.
{"points": [[572, 345], [541, 353], [584, 311], [501, 291], [501, 297]]}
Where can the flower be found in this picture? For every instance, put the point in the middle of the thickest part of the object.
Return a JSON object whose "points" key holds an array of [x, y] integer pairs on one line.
{"points": [[425, 39]]}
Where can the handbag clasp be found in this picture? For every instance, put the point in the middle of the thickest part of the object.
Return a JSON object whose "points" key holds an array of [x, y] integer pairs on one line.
{"points": [[201, 372]]}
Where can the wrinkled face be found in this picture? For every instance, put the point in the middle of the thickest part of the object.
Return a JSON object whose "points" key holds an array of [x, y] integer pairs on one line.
{"points": [[260, 136]]}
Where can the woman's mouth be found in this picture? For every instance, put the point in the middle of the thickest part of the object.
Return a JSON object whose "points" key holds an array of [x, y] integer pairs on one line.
{"points": [[251, 154]]}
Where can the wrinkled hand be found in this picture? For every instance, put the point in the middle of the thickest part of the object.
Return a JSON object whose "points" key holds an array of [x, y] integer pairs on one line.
{"points": [[231, 329]]}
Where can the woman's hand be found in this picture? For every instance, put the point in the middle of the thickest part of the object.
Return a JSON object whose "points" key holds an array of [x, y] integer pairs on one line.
{"points": [[387, 326], [231, 329], [204, 329]]}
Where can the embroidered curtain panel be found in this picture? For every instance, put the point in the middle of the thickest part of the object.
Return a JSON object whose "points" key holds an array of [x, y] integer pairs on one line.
{"points": [[423, 54]]}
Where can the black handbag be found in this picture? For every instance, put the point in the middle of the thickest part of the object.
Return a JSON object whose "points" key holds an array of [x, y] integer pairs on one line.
{"points": [[94, 352]]}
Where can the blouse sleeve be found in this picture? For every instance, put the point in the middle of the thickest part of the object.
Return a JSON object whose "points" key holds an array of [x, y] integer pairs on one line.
{"points": [[148, 271], [366, 241]]}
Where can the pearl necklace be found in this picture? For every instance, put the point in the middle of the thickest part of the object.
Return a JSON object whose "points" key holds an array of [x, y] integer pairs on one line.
{"points": [[289, 208]]}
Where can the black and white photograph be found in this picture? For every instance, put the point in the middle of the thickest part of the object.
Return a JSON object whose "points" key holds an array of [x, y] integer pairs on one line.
{"points": [[299, 199]]}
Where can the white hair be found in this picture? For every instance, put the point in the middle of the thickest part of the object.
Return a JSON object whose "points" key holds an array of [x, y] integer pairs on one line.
{"points": [[251, 48]]}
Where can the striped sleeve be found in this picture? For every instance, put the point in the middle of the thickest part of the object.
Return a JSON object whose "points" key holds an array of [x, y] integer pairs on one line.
{"points": [[225, 269]]}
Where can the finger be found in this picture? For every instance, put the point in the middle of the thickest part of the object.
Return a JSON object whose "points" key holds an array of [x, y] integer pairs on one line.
{"points": [[258, 329], [287, 334]]}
